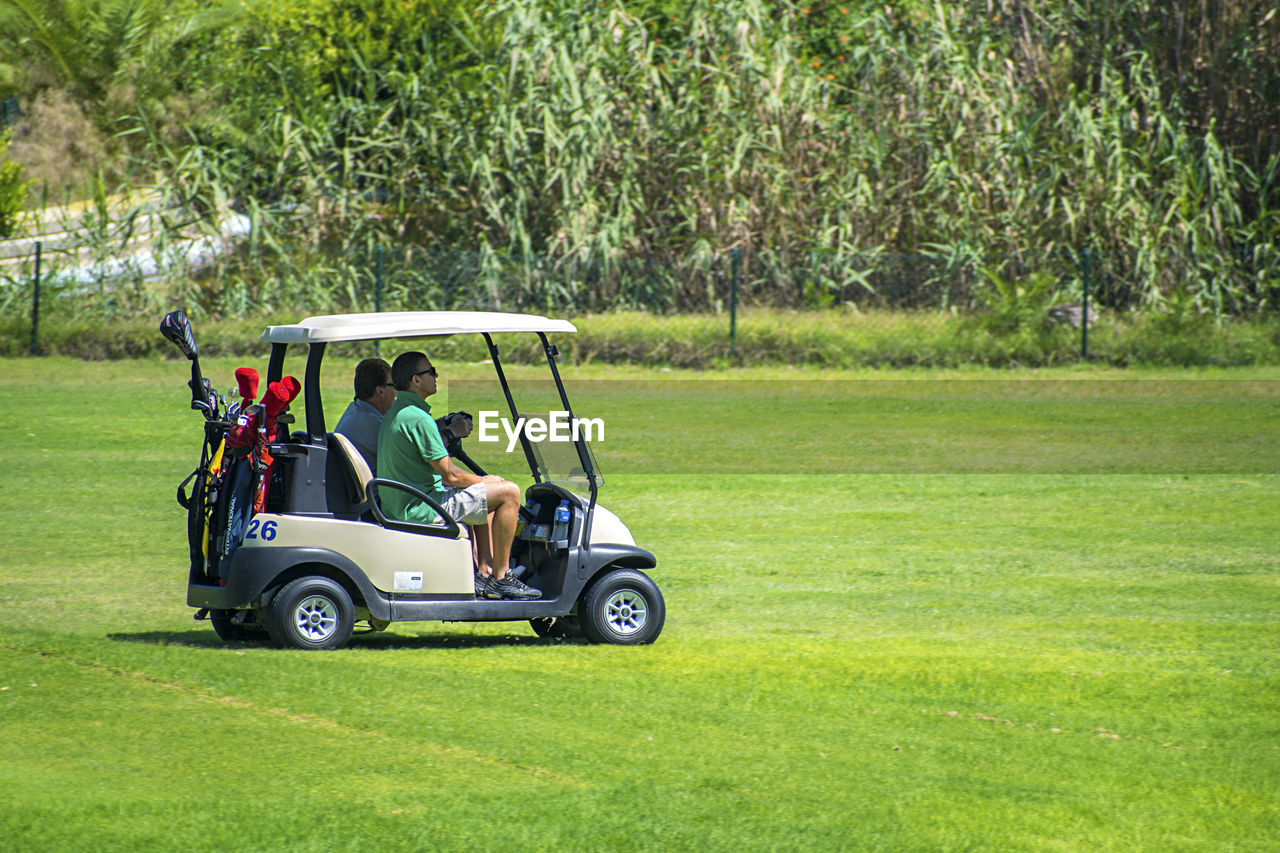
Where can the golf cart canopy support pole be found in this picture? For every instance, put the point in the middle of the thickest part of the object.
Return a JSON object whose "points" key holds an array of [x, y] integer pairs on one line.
{"points": [[579, 442], [275, 367], [511, 404], [311, 387]]}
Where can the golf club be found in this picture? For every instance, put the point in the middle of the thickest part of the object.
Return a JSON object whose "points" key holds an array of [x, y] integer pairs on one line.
{"points": [[177, 328]]}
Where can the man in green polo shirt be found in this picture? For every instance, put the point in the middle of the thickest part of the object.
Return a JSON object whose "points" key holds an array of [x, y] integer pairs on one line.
{"points": [[410, 451]]}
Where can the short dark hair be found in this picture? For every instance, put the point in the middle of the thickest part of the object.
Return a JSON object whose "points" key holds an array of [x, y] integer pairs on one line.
{"points": [[405, 365], [370, 373]]}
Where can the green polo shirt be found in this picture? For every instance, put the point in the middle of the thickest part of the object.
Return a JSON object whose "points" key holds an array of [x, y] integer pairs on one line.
{"points": [[408, 441]]}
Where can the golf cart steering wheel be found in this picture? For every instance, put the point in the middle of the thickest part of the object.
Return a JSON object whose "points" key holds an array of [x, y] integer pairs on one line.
{"points": [[453, 442]]}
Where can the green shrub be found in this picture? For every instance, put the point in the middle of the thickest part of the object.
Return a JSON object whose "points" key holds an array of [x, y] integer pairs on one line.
{"points": [[1191, 340], [840, 339], [13, 189]]}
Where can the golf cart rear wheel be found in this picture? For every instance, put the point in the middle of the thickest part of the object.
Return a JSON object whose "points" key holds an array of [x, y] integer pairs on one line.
{"points": [[623, 608], [311, 613]]}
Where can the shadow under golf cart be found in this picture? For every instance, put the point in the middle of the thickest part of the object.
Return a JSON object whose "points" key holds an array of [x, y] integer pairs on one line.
{"points": [[197, 638]]}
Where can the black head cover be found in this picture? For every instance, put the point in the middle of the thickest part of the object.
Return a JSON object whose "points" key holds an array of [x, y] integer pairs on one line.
{"points": [[177, 328]]}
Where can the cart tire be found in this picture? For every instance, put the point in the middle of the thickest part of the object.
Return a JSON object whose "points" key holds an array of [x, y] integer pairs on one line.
{"points": [[311, 613], [623, 608]]}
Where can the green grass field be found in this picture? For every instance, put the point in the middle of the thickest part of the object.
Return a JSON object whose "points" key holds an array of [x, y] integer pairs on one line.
{"points": [[906, 611]]}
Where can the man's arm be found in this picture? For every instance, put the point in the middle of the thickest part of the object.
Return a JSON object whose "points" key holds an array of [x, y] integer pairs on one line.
{"points": [[452, 475]]}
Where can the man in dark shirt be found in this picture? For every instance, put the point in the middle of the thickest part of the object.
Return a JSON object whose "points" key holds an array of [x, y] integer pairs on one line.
{"points": [[375, 393]]}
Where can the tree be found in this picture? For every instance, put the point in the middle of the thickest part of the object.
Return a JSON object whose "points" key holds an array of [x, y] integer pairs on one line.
{"points": [[13, 189], [85, 69]]}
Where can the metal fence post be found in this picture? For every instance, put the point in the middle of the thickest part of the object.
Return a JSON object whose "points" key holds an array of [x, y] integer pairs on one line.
{"points": [[733, 305], [377, 292], [1084, 310], [35, 305]]}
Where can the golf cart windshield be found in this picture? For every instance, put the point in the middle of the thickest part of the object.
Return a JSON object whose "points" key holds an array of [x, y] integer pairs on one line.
{"points": [[558, 461]]}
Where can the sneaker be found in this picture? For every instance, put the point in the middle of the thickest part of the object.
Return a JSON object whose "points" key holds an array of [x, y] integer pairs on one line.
{"points": [[519, 572], [510, 587], [486, 587]]}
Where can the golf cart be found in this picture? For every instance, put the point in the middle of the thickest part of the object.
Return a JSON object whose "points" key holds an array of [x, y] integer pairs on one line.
{"points": [[288, 538]]}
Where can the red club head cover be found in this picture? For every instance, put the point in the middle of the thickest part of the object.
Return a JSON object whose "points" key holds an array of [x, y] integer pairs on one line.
{"points": [[247, 379], [279, 395]]}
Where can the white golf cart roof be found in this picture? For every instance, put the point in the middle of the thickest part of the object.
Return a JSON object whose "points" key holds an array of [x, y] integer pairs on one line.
{"points": [[408, 324]]}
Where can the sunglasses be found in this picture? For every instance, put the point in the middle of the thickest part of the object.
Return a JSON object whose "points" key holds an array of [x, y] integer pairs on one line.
{"points": [[430, 371]]}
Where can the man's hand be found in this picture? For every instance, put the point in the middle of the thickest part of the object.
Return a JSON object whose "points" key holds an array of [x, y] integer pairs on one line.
{"points": [[460, 424], [453, 426]]}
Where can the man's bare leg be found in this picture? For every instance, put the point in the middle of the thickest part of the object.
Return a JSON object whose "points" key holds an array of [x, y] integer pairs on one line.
{"points": [[504, 501], [482, 548], [482, 536]]}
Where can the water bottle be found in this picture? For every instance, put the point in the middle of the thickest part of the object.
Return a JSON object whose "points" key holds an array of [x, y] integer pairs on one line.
{"points": [[560, 530]]}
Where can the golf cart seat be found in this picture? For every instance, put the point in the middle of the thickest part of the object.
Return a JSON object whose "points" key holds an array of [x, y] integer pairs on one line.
{"points": [[362, 494]]}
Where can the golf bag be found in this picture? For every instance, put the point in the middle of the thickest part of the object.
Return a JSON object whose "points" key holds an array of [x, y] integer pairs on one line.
{"points": [[206, 492], [233, 480], [239, 506], [249, 473]]}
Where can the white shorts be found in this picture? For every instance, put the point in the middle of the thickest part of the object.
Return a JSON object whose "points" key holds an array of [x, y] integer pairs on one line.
{"points": [[467, 506]]}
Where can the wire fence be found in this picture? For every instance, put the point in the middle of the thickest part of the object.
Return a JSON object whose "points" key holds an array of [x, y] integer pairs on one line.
{"points": [[1245, 280], [1008, 293]]}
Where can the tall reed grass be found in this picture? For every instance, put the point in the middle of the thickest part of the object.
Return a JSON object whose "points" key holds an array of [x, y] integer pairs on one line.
{"points": [[617, 154]]}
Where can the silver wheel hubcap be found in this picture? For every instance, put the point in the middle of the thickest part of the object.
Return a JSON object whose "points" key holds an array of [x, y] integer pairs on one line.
{"points": [[626, 611], [316, 617]]}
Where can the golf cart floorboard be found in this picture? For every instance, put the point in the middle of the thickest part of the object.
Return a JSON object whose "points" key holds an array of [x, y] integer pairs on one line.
{"points": [[401, 610], [479, 610]]}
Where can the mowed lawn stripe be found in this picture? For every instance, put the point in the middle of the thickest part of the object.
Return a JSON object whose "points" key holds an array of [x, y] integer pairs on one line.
{"points": [[137, 763], [292, 716]]}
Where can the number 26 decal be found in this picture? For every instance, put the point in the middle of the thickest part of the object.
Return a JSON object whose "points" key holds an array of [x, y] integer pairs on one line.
{"points": [[267, 532]]}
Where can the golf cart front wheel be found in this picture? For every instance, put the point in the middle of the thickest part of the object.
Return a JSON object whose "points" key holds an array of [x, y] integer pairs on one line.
{"points": [[312, 613], [623, 608]]}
